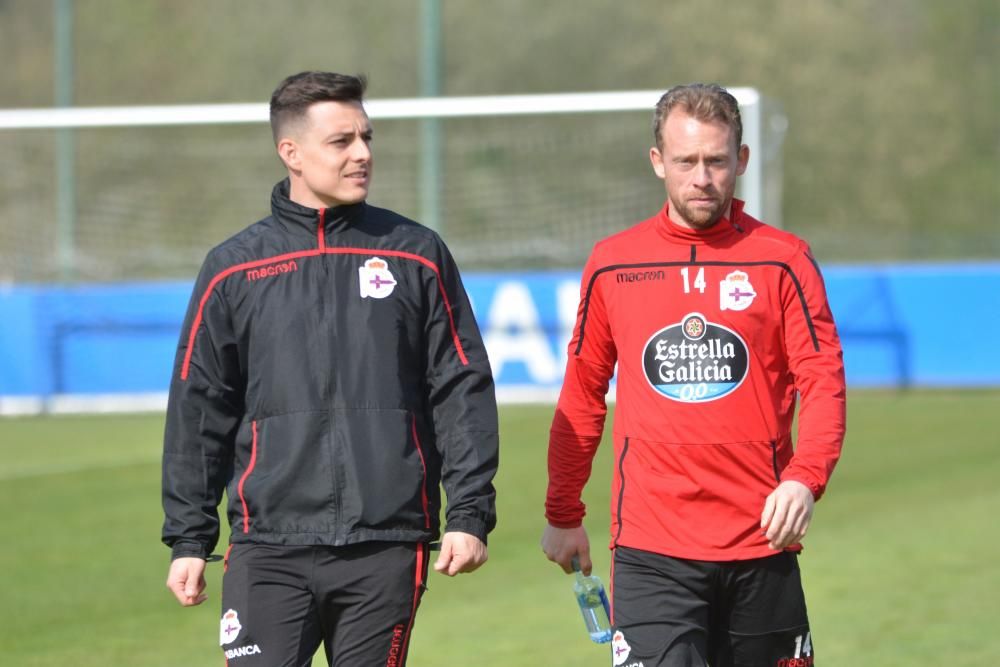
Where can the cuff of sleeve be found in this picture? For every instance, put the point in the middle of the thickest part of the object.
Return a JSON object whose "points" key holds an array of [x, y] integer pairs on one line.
{"points": [[575, 523], [188, 550], [467, 525], [813, 486]]}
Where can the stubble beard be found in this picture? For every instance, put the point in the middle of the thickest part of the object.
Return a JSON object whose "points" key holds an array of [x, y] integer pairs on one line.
{"points": [[701, 217]]}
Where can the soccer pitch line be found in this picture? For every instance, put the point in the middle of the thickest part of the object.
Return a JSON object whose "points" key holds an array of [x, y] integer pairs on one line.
{"points": [[46, 470]]}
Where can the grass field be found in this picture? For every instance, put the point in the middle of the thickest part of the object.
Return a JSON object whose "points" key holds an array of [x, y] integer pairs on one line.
{"points": [[900, 567]]}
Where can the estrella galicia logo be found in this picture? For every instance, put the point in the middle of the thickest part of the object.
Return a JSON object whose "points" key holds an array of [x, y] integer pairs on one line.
{"points": [[695, 361]]}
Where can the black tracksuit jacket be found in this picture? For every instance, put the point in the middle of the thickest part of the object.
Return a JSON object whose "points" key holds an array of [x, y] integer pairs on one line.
{"points": [[330, 377]]}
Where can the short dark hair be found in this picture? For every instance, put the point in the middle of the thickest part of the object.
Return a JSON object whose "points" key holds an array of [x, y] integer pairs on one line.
{"points": [[705, 101], [293, 96]]}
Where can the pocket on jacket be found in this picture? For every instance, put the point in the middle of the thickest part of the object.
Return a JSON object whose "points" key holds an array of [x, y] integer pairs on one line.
{"points": [[284, 481], [388, 470]]}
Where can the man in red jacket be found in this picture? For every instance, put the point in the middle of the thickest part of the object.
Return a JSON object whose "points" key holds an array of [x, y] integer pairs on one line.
{"points": [[717, 324]]}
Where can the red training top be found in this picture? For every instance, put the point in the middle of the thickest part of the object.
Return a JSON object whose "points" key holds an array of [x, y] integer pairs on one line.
{"points": [[714, 331]]}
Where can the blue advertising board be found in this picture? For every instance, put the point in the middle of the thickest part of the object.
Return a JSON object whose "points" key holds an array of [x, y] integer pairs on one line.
{"points": [[901, 326]]}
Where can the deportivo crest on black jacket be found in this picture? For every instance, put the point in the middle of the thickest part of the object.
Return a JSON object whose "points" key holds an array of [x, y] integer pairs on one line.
{"points": [[329, 377]]}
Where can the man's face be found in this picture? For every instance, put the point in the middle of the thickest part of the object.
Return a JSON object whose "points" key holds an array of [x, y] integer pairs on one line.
{"points": [[328, 155], [699, 163]]}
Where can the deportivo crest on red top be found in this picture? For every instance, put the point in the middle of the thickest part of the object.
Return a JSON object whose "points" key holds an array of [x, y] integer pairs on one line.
{"points": [[736, 292], [376, 279]]}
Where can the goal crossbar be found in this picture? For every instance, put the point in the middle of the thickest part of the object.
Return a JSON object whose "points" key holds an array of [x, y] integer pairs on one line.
{"points": [[392, 108]]}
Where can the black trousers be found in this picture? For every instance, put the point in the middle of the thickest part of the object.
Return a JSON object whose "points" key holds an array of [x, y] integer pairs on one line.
{"points": [[672, 612], [280, 603]]}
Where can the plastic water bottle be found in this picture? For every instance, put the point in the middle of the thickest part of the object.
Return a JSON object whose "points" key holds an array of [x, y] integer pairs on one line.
{"points": [[593, 603]]}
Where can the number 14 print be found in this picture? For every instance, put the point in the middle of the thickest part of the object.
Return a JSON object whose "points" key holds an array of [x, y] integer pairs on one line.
{"points": [[735, 292]]}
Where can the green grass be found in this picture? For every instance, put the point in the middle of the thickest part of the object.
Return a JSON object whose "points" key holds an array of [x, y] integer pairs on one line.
{"points": [[899, 567]]}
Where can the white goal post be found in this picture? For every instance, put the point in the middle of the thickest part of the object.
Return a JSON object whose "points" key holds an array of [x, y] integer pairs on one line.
{"points": [[752, 185]]}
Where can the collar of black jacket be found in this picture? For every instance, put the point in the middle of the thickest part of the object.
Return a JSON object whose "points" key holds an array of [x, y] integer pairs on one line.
{"points": [[297, 217]]}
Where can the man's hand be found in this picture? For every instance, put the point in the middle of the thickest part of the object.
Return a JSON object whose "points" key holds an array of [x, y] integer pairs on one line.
{"points": [[561, 544], [786, 515], [186, 580], [460, 552]]}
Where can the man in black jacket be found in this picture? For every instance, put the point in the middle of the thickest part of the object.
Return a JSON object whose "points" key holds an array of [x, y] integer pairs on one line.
{"points": [[330, 377]]}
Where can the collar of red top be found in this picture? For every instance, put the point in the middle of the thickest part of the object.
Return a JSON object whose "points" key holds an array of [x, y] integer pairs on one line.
{"points": [[722, 229]]}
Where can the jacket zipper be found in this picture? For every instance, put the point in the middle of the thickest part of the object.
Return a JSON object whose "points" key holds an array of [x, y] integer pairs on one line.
{"points": [[321, 230], [774, 460]]}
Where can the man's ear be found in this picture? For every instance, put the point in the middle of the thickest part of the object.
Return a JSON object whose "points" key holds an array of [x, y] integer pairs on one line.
{"points": [[742, 159], [289, 153], [656, 159]]}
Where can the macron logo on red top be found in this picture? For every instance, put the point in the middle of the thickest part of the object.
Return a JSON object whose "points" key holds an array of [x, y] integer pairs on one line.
{"points": [[272, 270]]}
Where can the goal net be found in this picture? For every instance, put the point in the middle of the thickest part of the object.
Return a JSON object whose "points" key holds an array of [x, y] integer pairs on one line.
{"points": [[512, 182]]}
